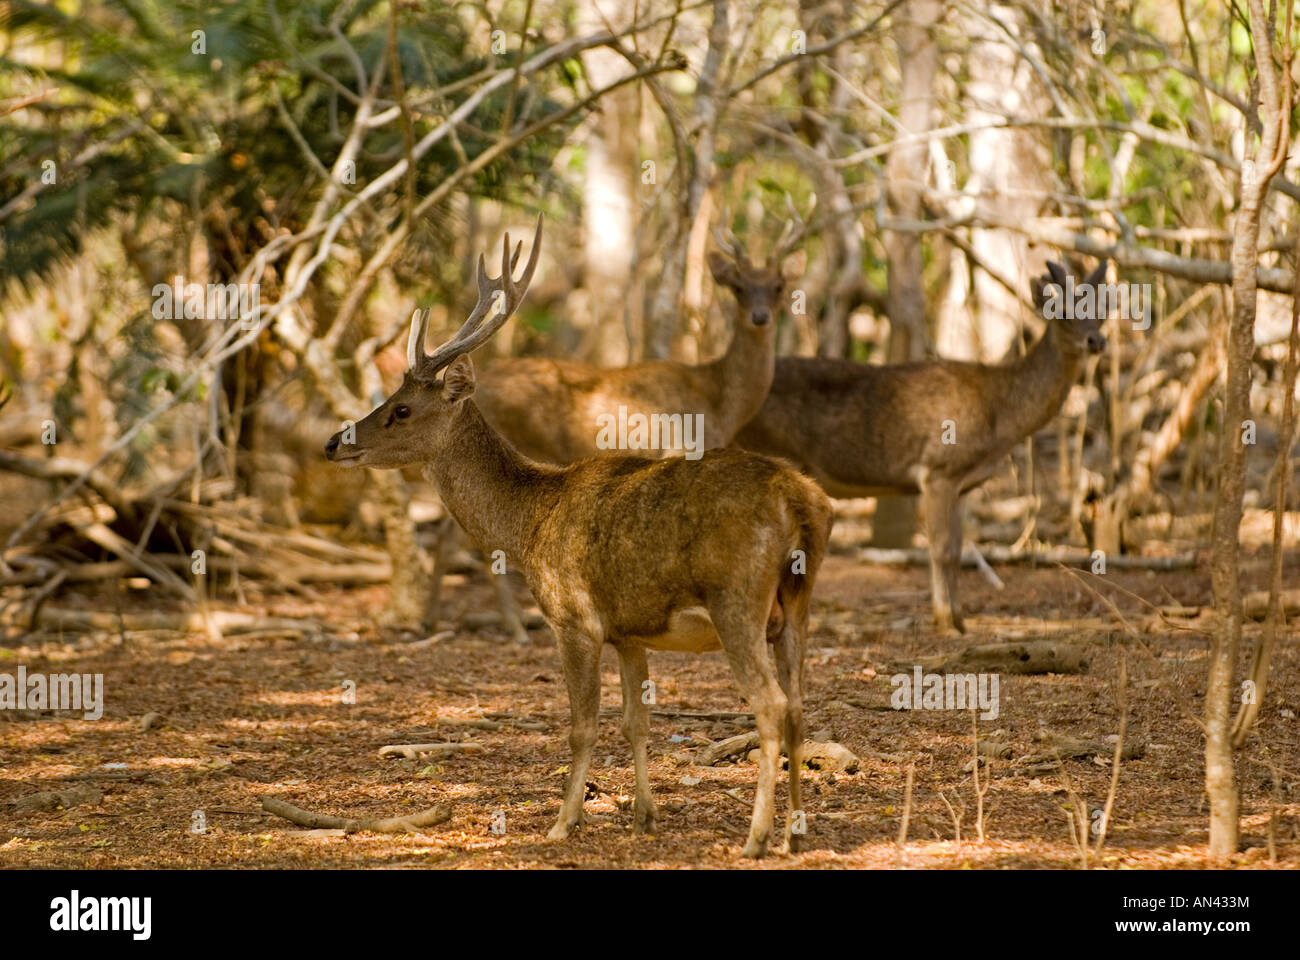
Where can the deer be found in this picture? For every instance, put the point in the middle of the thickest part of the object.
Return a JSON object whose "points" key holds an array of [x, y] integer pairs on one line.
{"points": [[555, 410], [937, 428], [638, 553]]}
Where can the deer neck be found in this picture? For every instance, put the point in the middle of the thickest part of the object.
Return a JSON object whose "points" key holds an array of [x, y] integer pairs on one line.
{"points": [[495, 493], [1035, 386], [744, 373]]}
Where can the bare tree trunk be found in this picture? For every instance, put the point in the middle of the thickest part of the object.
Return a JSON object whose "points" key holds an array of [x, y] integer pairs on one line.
{"points": [[1220, 774], [906, 172], [609, 203], [918, 58], [821, 128], [1275, 621], [1006, 166], [665, 306]]}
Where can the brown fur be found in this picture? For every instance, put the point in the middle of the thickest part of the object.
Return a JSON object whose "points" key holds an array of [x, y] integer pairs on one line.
{"points": [[637, 553], [878, 430], [548, 408]]}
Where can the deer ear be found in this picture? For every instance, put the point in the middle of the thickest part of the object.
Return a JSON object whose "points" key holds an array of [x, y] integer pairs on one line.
{"points": [[1098, 275], [458, 380], [723, 270], [1056, 272], [792, 267]]}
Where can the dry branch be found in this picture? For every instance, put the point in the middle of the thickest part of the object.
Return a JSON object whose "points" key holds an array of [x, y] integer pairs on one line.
{"points": [[1000, 553], [1121, 697], [1068, 748], [50, 800], [1033, 656], [726, 749], [414, 751], [317, 821], [227, 621]]}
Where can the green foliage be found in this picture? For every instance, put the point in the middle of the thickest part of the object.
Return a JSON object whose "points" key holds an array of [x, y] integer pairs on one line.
{"points": [[160, 128]]}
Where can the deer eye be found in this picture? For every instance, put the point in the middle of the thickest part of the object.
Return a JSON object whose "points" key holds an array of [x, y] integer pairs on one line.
{"points": [[402, 411]]}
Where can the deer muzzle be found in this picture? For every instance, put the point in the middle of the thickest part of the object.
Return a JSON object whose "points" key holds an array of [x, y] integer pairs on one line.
{"points": [[338, 452]]}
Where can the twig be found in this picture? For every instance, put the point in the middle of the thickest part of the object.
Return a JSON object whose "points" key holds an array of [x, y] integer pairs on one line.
{"points": [[975, 772], [956, 817], [1121, 697], [1077, 815], [907, 807]]}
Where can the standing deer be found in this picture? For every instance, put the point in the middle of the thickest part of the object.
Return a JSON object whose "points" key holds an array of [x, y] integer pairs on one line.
{"points": [[668, 554], [936, 428], [552, 410]]}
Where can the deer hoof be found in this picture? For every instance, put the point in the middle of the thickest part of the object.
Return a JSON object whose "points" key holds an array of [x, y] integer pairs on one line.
{"points": [[563, 827], [643, 819], [559, 832], [795, 843], [755, 849], [949, 623]]}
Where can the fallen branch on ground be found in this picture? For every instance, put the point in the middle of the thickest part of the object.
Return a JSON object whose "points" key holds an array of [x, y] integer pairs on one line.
{"points": [[413, 751], [1001, 553], [317, 821], [226, 621], [1068, 748], [1018, 657], [51, 800]]}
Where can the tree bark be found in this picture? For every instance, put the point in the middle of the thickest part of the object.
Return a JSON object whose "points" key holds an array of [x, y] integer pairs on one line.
{"points": [[822, 130], [1220, 773], [918, 57], [609, 202], [665, 305]]}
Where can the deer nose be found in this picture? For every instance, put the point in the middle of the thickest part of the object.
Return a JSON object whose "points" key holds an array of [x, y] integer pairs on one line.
{"points": [[760, 316], [1096, 343], [331, 445]]}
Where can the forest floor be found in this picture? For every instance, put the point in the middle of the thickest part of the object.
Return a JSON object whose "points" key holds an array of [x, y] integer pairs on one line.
{"points": [[260, 714]]}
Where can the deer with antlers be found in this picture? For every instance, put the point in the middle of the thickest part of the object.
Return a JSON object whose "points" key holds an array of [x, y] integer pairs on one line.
{"points": [[641, 554], [556, 410], [559, 410], [936, 428]]}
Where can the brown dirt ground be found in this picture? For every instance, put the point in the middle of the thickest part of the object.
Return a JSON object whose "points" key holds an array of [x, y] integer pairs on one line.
{"points": [[254, 715]]}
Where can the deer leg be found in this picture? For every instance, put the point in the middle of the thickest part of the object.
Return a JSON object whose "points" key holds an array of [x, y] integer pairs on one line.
{"points": [[789, 669], [940, 502], [744, 639], [636, 727], [581, 657]]}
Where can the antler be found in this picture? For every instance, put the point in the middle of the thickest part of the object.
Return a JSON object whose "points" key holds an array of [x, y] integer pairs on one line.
{"points": [[499, 296], [792, 233], [727, 241]]}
